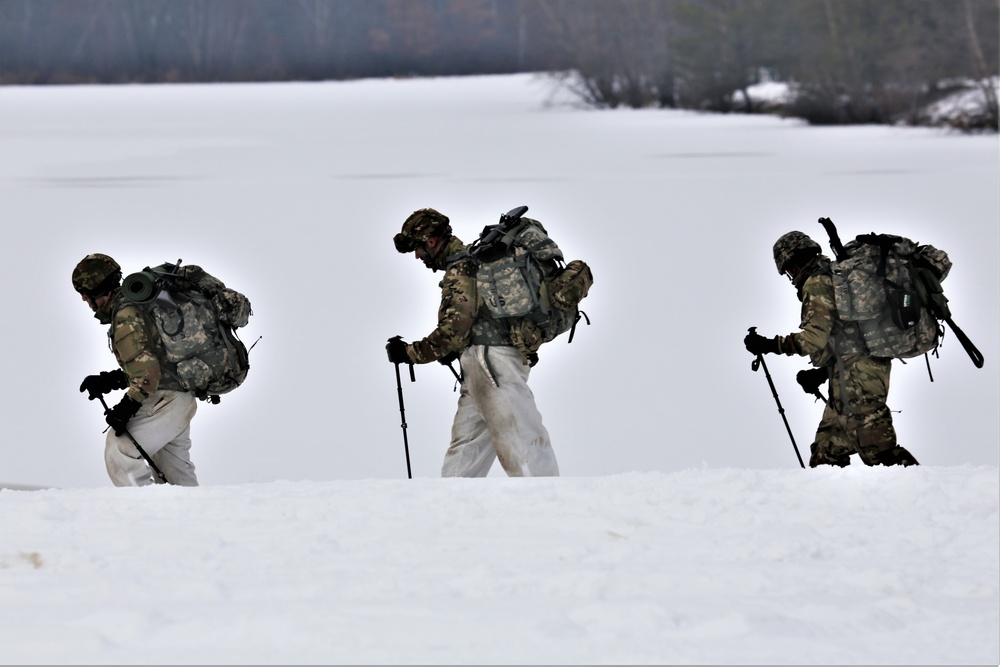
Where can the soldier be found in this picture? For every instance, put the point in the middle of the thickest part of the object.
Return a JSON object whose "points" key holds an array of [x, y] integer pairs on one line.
{"points": [[155, 410], [496, 416], [856, 418]]}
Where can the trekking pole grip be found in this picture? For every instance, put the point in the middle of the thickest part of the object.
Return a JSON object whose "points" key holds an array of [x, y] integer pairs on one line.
{"points": [[755, 364]]}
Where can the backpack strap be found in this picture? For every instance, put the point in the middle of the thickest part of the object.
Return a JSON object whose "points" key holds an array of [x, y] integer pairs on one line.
{"points": [[537, 246], [166, 368], [508, 238], [884, 243], [495, 242], [460, 256]]}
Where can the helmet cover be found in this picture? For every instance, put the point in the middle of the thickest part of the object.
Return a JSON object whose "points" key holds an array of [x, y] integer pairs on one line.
{"points": [[96, 274], [420, 226], [793, 245]]}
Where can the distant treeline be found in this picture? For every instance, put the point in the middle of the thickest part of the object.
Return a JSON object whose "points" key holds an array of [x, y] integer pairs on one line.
{"points": [[117, 41], [851, 60]]}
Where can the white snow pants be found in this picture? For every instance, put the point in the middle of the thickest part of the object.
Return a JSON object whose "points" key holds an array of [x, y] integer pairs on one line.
{"points": [[497, 419], [162, 427]]}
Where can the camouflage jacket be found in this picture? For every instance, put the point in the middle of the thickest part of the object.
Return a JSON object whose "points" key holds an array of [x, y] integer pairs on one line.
{"points": [[821, 335], [456, 313], [460, 319], [135, 342]]}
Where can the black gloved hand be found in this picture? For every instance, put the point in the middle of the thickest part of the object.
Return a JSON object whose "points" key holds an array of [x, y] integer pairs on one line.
{"points": [[811, 379], [448, 358], [104, 382], [118, 416], [396, 349], [757, 344]]}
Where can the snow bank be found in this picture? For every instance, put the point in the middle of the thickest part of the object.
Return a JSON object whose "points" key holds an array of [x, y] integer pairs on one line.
{"points": [[698, 566]]}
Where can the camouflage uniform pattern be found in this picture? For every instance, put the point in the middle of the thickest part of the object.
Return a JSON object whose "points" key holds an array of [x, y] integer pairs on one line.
{"points": [[502, 284], [419, 227], [162, 423], [514, 289], [233, 308], [193, 347], [92, 271], [822, 335], [856, 419], [194, 313], [496, 418], [790, 245], [859, 283], [508, 293], [136, 345], [456, 313]]}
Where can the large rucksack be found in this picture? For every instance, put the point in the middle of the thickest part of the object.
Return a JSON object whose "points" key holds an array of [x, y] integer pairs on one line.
{"points": [[890, 288], [196, 315], [522, 280]]}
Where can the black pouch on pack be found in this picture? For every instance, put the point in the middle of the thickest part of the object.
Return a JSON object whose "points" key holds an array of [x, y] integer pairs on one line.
{"points": [[905, 307]]}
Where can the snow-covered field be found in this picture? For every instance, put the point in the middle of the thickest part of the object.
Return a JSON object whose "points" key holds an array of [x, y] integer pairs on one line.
{"points": [[853, 566], [683, 529]]}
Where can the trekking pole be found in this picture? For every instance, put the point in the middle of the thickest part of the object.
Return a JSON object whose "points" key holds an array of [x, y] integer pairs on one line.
{"points": [[402, 415], [158, 475], [759, 361]]}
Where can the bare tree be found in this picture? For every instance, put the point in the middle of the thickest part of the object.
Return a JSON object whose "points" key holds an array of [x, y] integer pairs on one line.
{"points": [[212, 32], [984, 73], [721, 52], [849, 60], [621, 49]]}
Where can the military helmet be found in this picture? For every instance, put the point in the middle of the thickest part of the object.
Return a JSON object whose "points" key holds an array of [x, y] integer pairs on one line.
{"points": [[793, 246], [420, 226], [96, 274]]}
